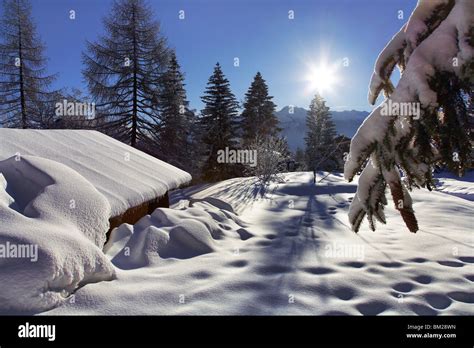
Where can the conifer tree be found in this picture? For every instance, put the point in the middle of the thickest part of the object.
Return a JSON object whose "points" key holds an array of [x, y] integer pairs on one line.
{"points": [[124, 70], [471, 124], [258, 117], [320, 144], [177, 121], [219, 122], [24, 84]]}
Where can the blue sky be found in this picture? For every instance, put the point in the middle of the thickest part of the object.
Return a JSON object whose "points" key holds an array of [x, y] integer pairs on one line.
{"points": [[258, 32]]}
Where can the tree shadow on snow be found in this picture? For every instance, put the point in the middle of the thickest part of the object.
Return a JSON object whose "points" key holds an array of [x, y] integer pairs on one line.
{"points": [[296, 242], [241, 194]]}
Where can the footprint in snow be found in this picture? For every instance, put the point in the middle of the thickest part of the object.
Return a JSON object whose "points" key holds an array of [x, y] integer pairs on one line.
{"points": [[438, 301], [353, 264], [467, 259], [404, 287], [238, 263], [469, 277], [393, 264], [344, 293], [417, 260], [462, 296], [372, 307], [201, 275], [423, 279], [421, 309], [318, 270], [451, 263]]}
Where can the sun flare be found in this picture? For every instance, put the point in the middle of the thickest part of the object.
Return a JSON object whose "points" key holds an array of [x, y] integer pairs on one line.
{"points": [[322, 78]]}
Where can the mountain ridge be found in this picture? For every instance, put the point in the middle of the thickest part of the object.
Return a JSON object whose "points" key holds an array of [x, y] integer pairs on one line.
{"points": [[294, 124]]}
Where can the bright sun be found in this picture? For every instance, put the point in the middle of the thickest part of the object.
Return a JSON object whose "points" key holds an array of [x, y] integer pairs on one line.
{"points": [[322, 78]]}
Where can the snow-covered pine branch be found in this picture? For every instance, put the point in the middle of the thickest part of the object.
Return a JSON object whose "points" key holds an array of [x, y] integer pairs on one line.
{"points": [[434, 52]]}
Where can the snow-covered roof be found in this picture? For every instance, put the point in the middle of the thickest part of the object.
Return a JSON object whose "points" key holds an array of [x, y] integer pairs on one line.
{"points": [[125, 176]]}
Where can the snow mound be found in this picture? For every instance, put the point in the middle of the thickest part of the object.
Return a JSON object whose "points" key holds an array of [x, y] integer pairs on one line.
{"points": [[173, 234], [5, 198], [126, 176], [63, 220]]}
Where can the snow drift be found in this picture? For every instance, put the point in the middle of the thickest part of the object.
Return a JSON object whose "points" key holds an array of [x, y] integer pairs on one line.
{"points": [[53, 226], [126, 176], [170, 233]]}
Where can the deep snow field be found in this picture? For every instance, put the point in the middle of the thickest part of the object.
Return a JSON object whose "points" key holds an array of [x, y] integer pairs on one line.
{"points": [[233, 248]]}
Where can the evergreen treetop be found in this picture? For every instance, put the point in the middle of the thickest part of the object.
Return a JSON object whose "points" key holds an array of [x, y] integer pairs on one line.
{"points": [[258, 116]]}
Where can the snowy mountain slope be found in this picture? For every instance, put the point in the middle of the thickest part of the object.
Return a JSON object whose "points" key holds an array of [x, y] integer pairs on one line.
{"points": [[294, 125], [301, 257], [52, 230], [125, 176]]}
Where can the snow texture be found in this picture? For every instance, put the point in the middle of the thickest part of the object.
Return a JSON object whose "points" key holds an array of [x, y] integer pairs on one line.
{"points": [[60, 221], [170, 233], [301, 258], [125, 176], [453, 185]]}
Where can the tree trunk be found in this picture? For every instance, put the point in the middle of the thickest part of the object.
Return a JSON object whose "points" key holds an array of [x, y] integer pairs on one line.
{"points": [[22, 86], [133, 141]]}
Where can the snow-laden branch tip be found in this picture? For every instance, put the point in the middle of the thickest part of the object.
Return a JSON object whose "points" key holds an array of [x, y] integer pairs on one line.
{"points": [[438, 39]]}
